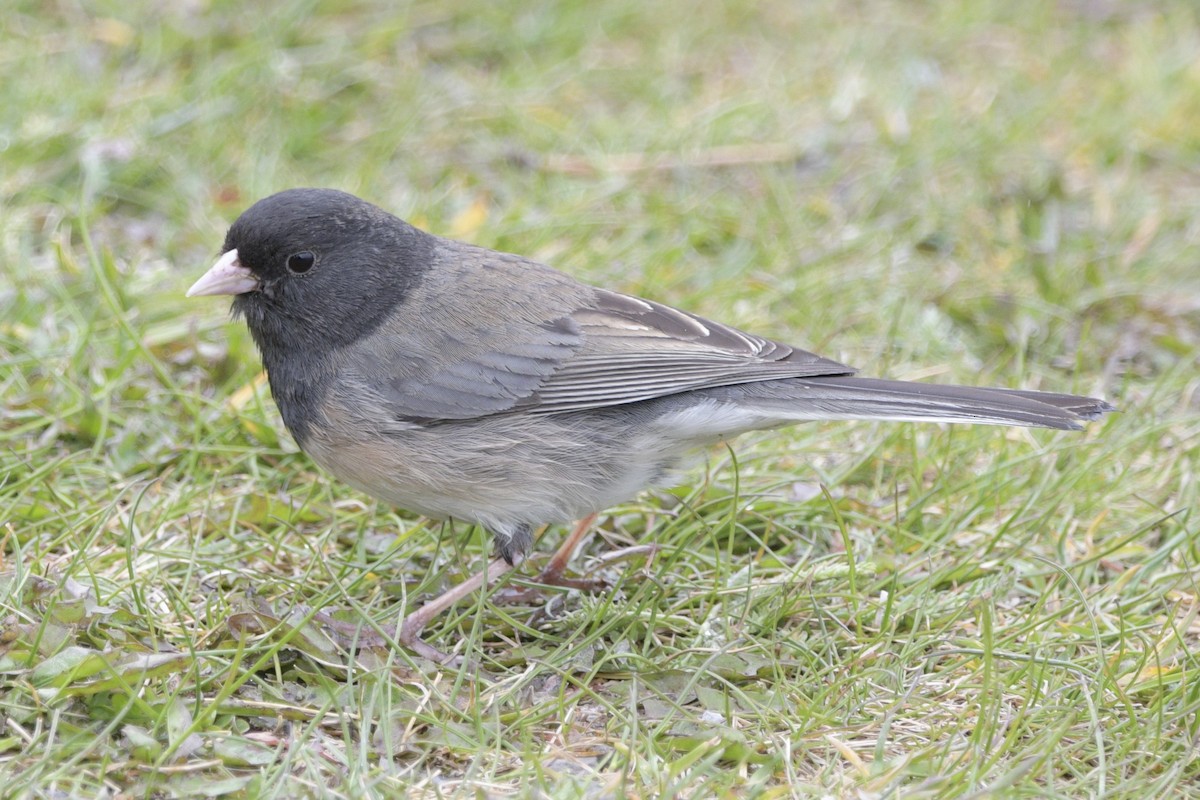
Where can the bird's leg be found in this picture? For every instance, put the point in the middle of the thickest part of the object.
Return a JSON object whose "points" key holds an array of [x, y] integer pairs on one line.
{"points": [[414, 623], [553, 573]]}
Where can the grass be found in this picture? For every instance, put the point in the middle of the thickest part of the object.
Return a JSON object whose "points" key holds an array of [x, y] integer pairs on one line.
{"points": [[998, 193]]}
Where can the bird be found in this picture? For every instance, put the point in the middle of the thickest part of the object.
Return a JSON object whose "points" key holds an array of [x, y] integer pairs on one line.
{"points": [[467, 384]]}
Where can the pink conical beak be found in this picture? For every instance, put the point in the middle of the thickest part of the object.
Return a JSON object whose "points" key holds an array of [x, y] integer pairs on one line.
{"points": [[227, 276]]}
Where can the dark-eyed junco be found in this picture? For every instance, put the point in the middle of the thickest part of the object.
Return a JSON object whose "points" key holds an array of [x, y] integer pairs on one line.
{"points": [[464, 383]]}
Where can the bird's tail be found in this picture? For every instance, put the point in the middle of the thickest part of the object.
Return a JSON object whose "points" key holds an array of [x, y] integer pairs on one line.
{"points": [[849, 397]]}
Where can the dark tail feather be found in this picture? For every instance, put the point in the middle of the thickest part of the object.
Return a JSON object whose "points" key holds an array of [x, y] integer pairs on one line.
{"points": [[870, 398], [1087, 408]]}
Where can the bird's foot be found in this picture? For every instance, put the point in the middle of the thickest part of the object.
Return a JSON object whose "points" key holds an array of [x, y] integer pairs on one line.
{"points": [[539, 586]]}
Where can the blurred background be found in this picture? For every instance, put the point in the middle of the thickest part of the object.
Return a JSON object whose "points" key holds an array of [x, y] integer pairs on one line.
{"points": [[1016, 165], [983, 192]]}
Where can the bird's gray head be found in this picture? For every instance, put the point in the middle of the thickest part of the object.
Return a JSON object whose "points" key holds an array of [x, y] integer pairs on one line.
{"points": [[316, 269]]}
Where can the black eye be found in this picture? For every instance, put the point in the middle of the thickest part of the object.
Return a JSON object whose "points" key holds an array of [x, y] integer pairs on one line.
{"points": [[299, 263]]}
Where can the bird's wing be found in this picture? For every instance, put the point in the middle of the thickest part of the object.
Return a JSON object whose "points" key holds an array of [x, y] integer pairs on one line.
{"points": [[554, 346], [634, 349]]}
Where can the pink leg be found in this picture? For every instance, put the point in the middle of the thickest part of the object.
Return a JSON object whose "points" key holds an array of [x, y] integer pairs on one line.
{"points": [[552, 574], [414, 623]]}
